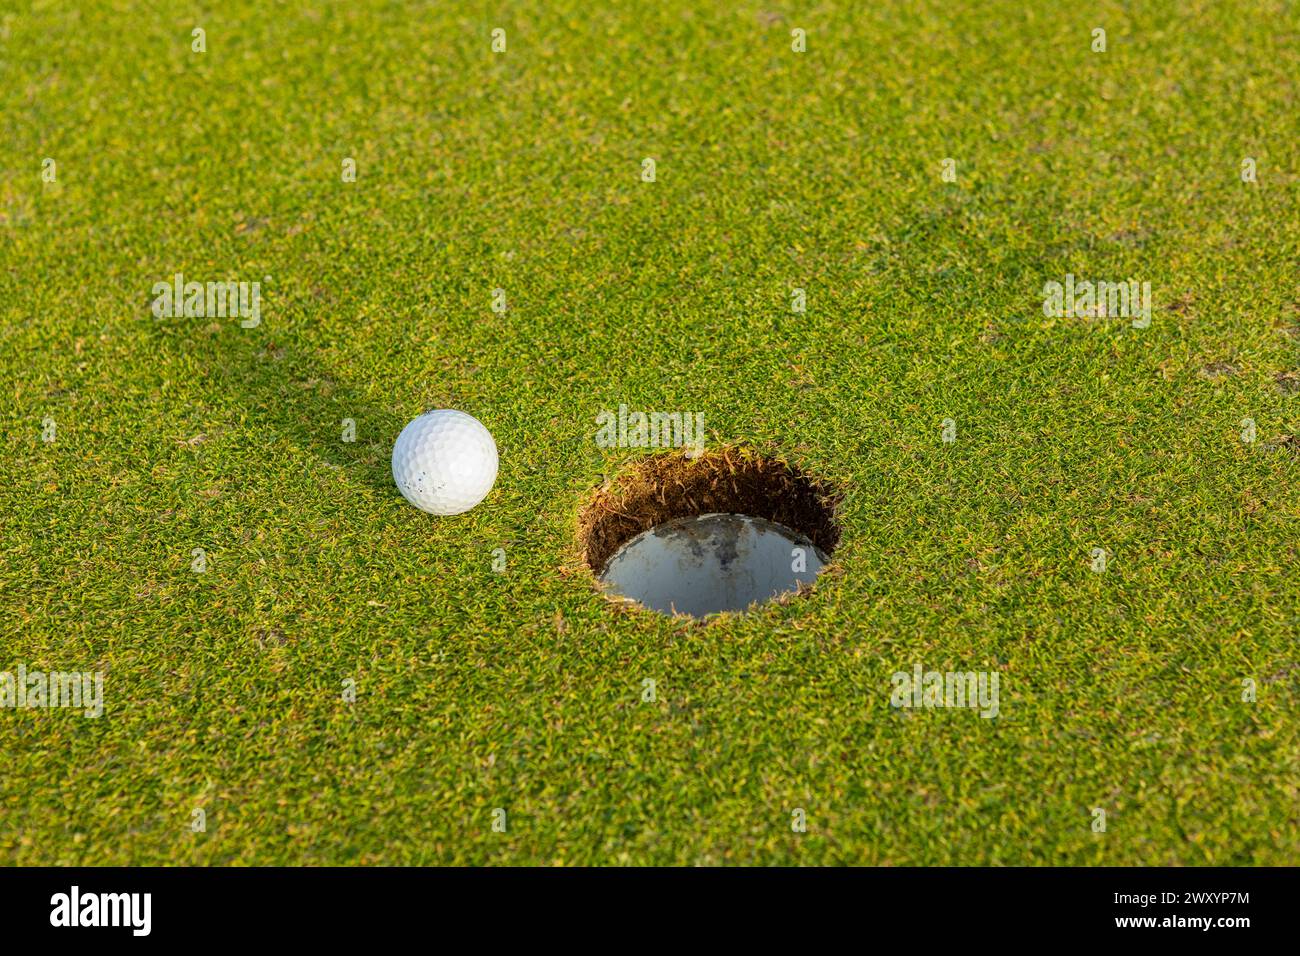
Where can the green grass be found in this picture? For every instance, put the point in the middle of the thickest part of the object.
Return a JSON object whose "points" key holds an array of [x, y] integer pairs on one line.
{"points": [[522, 171]]}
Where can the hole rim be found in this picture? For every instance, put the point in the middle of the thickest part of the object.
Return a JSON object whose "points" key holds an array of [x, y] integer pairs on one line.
{"points": [[649, 491]]}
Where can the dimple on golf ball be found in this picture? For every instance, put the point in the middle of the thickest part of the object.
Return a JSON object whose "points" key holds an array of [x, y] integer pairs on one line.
{"points": [[445, 462]]}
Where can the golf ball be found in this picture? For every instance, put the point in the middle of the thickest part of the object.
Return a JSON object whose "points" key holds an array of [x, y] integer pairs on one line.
{"points": [[445, 462]]}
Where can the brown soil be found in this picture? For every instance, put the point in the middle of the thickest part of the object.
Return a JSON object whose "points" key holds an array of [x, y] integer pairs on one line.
{"points": [[730, 481]]}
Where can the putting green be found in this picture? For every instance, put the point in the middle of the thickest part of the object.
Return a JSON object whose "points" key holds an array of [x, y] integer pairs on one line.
{"points": [[298, 667]]}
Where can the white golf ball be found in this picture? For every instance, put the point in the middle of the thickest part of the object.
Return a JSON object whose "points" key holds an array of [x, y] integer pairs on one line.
{"points": [[445, 462]]}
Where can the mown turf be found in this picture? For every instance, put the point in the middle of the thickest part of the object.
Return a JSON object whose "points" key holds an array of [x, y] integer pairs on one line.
{"points": [[776, 170]]}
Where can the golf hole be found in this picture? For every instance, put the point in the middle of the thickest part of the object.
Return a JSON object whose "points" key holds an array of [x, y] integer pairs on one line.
{"points": [[700, 536]]}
